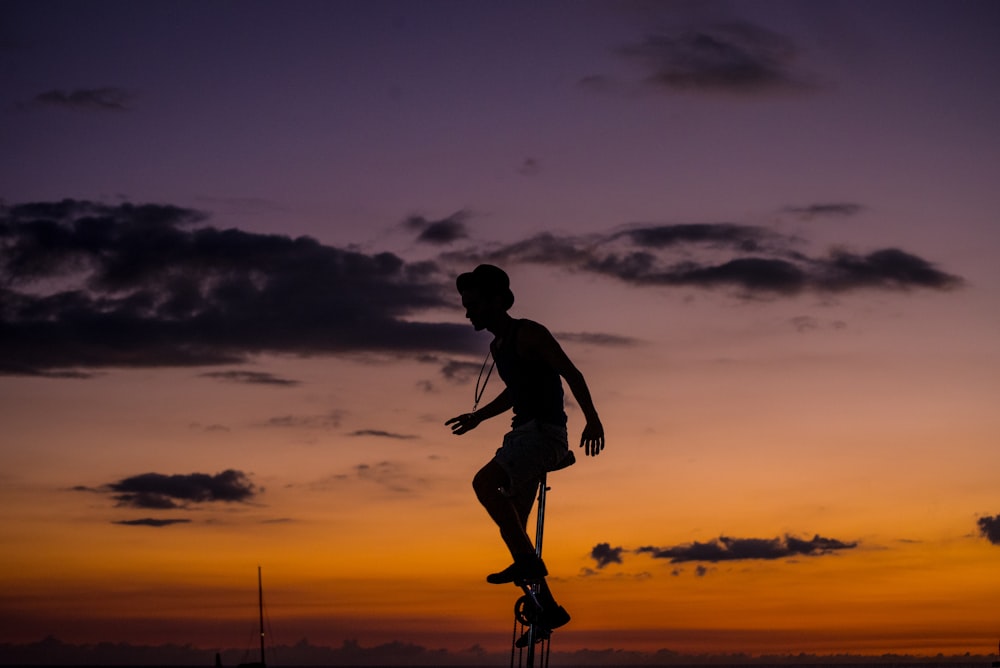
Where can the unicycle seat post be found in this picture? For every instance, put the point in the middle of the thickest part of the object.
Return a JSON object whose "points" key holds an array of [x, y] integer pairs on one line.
{"points": [[540, 515]]}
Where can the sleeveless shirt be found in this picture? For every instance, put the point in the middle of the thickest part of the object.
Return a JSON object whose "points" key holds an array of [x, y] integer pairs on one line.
{"points": [[535, 387]]}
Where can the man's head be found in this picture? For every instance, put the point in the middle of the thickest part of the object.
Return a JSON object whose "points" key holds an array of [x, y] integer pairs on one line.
{"points": [[486, 294]]}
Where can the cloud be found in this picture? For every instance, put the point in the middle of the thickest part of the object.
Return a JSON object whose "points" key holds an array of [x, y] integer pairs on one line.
{"points": [[889, 268], [989, 528], [604, 554], [461, 372], [734, 57], [379, 433], [86, 99], [805, 323], [439, 232], [390, 475], [752, 261], [150, 522], [597, 339], [720, 235], [735, 549], [162, 492], [393, 476], [329, 420], [529, 167], [251, 378], [838, 209], [85, 285]]}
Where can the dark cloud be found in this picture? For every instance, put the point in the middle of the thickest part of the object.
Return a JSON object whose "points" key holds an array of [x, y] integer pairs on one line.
{"points": [[725, 548], [86, 285], [736, 57], [251, 378], [604, 554], [86, 99], [150, 522], [161, 492], [439, 232], [742, 237], [749, 260], [379, 433], [839, 209], [989, 528], [890, 268]]}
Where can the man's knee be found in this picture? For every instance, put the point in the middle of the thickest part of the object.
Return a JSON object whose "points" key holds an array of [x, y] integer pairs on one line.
{"points": [[488, 481]]}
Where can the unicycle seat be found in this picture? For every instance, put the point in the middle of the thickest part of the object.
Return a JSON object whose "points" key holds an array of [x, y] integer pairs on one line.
{"points": [[565, 462]]}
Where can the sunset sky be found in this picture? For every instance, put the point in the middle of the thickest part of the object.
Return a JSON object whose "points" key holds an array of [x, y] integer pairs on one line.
{"points": [[766, 232]]}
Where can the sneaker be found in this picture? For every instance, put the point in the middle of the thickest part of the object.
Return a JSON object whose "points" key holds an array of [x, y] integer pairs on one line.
{"points": [[550, 619], [522, 570], [541, 635]]}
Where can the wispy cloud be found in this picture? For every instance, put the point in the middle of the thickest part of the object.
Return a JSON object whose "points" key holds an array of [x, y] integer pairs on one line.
{"points": [[380, 433], [330, 420], [831, 209], [597, 339], [107, 98], [730, 57], [151, 522], [392, 475], [251, 378]]}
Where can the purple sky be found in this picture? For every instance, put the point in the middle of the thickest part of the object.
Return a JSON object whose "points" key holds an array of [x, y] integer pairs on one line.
{"points": [[765, 231]]}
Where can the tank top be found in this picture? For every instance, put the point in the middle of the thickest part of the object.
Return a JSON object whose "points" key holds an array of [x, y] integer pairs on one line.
{"points": [[535, 387]]}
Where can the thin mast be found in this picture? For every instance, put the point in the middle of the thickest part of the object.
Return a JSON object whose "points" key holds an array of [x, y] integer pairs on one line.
{"points": [[260, 606]]}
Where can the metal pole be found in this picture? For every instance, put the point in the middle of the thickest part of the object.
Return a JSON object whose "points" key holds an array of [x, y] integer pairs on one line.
{"points": [[260, 606]]}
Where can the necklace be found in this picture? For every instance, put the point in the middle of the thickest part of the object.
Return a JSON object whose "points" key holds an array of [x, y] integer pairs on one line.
{"points": [[480, 390]]}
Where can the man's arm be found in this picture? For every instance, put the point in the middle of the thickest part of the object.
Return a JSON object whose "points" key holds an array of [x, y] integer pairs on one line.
{"points": [[536, 342], [469, 421]]}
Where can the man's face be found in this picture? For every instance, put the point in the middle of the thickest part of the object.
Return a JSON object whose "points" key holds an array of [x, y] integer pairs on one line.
{"points": [[478, 309]]}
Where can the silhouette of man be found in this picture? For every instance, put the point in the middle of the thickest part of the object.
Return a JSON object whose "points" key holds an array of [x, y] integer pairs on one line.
{"points": [[532, 366]]}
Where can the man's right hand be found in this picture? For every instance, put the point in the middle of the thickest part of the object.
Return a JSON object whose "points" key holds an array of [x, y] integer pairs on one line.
{"points": [[463, 423]]}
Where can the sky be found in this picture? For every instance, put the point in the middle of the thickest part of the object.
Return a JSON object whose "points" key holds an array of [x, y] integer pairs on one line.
{"points": [[229, 335]]}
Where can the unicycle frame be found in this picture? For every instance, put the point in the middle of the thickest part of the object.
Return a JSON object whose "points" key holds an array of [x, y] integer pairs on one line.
{"points": [[531, 591]]}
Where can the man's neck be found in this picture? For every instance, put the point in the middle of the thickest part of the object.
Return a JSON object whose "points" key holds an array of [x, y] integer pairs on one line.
{"points": [[501, 327]]}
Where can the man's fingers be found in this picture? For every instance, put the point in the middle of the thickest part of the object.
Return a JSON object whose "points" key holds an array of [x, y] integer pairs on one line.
{"points": [[592, 446]]}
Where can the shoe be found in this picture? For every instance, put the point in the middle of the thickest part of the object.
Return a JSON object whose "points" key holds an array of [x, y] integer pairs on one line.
{"points": [[522, 570], [550, 619], [541, 635]]}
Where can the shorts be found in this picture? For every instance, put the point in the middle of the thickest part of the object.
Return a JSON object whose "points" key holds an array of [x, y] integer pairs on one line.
{"points": [[530, 450]]}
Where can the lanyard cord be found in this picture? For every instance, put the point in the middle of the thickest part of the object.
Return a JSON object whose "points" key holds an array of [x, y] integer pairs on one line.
{"points": [[480, 390]]}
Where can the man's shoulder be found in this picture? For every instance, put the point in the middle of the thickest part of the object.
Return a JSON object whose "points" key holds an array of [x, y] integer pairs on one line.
{"points": [[532, 327], [532, 335]]}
